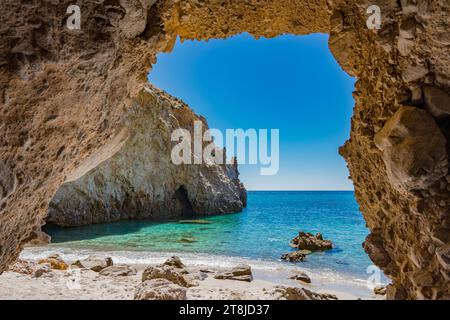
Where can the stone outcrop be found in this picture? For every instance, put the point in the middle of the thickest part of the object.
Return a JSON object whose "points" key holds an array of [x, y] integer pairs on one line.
{"points": [[64, 94], [310, 242], [140, 181]]}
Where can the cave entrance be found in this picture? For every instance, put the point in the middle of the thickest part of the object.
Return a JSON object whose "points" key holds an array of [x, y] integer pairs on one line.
{"points": [[182, 202], [294, 84], [291, 83]]}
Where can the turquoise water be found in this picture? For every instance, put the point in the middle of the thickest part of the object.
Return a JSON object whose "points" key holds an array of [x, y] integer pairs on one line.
{"points": [[262, 231]]}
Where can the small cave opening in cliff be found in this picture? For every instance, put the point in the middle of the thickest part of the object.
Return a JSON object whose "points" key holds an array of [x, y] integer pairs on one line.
{"points": [[182, 202]]}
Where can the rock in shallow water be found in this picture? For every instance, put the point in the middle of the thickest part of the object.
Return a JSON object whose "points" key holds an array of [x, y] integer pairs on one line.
{"points": [[293, 256], [308, 241]]}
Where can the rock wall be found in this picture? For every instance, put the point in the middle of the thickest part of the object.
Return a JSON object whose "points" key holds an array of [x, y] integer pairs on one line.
{"points": [[140, 181], [63, 95]]}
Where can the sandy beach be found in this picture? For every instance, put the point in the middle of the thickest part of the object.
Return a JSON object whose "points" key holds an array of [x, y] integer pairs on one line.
{"points": [[81, 284]]}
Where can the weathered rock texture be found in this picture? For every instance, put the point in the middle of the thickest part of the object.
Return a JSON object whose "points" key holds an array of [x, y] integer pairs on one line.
{"points": [[140, 180], [63, 95]]}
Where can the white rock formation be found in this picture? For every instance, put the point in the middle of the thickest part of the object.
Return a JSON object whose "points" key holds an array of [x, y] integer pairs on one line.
{"points": [[134, 177]]}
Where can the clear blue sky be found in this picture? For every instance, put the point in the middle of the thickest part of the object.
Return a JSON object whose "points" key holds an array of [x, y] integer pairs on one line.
{"points": [[290, 83]]}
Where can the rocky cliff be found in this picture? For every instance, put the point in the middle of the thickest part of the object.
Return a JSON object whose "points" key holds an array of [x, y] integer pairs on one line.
{"points": [[140, 181], [64, 93]]}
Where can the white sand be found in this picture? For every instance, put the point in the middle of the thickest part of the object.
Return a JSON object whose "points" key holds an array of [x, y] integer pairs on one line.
{"points": [[87, 284]]}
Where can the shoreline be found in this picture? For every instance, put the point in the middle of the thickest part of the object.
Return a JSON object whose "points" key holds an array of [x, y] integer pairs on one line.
{"points": [[267, 277]]}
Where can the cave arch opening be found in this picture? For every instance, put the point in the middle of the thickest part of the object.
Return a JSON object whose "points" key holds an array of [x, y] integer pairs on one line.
{"points": [[290, 83]]}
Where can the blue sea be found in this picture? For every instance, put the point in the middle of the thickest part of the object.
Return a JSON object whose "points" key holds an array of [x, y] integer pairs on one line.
{"points": [[260, 233]]}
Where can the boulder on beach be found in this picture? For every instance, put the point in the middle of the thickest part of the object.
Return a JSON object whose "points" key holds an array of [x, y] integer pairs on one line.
{"points": [[41, 269], [293, 256], [159, 289], [55, 262], [380, 290], [175, 262], [294, 293], [119, 270], [301, 276], [169, 273], [22, 266], [241, 272], [94, 263], [308, 241]]}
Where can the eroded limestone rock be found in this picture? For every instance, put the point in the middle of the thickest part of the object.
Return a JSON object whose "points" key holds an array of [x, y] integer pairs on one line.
{"points": [[310, 242], [293, 256], [55, 262], [94, 263], [118, 270], [241, 272], [437, 101], [160, 289], [140, 181], [166, 272], [295, 293], [63, 95], [414, 149]]}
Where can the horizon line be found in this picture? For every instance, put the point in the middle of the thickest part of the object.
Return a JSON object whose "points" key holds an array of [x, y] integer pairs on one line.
{"points": [[305, 190]]}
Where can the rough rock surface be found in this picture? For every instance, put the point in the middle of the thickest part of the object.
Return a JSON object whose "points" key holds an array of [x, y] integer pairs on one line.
{"points": [[55, 262], [174, 262], [413, 148], [303, 277], [293, 256], [159, 289], [94, 263], [380, 290], [166, 272], [310, 242], [118, 270], [140, 180], [295, 293], [63, 95], [241, 272]]}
